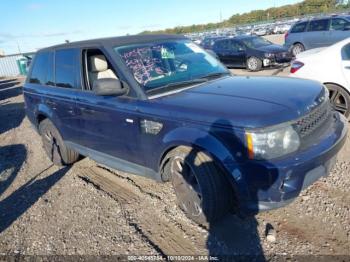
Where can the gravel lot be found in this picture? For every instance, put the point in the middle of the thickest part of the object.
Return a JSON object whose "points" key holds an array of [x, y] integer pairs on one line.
{"points": [[88, 209]]}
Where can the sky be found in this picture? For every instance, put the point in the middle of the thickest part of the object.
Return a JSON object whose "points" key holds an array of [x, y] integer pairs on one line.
{"points": [[28, 25]]}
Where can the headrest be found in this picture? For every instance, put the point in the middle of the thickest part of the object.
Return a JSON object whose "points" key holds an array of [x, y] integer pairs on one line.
{"points": [[98, 63]]}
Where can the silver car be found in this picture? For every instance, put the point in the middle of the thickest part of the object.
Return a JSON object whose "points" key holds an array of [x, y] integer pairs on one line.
{"points": [[317, 32]]}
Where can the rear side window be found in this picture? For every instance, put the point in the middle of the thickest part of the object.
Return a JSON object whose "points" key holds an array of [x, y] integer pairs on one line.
{"points": [[66, 62], [223, 44], [339, 24], [319, 25], [298, 28], [40, 68], [345, 52]]}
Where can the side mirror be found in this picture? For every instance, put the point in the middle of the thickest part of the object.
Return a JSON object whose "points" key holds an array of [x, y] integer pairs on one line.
{"points": [[108, 87], [346, 27]]}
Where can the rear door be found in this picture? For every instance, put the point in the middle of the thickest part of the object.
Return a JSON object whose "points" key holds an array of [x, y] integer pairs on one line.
{"points": [[51, 88], [221, 48], [317, 34], [337, 32], [236, 53], [61, 97]]}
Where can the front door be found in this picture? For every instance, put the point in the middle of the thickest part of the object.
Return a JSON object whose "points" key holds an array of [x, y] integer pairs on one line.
{"points": [[109, 125]]}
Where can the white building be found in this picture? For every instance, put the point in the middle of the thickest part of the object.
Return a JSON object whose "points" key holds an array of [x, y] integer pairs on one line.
{"points": [[2, 53]]}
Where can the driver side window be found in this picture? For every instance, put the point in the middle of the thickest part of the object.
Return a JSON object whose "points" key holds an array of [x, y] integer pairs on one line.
{"points": [[96, 65], [338, 24]]}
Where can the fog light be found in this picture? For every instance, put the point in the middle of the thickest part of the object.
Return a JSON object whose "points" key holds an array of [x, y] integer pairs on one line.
{"points": [[267, 62]]}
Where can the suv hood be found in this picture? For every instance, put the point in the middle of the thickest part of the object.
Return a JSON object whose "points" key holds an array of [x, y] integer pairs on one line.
{"points": [[243, 101]]}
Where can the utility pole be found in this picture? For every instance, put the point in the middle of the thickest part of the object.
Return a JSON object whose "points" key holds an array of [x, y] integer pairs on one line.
{"points": [[19, 49]]}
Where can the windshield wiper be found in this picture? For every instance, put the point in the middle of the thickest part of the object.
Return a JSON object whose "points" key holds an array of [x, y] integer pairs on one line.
{"points": [[172, 86], [214, 75]]}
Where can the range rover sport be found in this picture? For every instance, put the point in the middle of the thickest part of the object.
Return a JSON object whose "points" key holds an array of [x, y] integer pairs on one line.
{"points": [[162, 107]]}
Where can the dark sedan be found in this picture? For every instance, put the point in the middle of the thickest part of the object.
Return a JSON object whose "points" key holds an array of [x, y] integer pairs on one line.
{"points": [[252, 52]]}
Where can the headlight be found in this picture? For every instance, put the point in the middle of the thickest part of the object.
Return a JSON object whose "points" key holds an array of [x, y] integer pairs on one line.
{"points": [[269, 55], [272, 142]]}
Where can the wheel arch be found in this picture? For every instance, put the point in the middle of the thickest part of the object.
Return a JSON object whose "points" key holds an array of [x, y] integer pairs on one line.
{"points": [[209, 144], [336, 84], [42, 112]]}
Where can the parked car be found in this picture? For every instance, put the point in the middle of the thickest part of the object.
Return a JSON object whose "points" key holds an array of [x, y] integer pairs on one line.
{"points": [[281, 29], [330, 66], [260, 32], [317, 32], [160, 106], [252, 52]]}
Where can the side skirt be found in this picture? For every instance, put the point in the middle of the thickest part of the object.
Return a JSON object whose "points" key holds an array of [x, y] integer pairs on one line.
{"points": [[114, 162]]}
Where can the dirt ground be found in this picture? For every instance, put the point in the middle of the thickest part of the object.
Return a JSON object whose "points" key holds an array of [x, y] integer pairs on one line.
{"points": [[88, 209]]}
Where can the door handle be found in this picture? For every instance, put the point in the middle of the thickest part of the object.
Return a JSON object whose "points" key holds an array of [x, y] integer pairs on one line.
{"points": [[347, 67], [71, 111], [51, 103], [87, 110]]}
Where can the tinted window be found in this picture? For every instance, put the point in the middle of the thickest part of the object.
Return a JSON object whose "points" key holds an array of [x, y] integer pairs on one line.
{"points": [[345, 52], [234, 46], [300, 27], [319, 25], [39, 70], [223, 44], [339, 24], [66, 68]]}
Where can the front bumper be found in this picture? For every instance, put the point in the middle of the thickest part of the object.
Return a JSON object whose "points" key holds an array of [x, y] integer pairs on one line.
{"points": [[277, 183], [277, 60]]}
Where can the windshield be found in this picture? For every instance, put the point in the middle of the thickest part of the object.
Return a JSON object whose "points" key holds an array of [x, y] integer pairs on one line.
{"points": [[164, 64], [256, 42]]}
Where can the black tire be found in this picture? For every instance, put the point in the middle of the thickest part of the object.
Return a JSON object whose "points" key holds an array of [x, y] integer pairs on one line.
{"points": [[254, 64], [340, 99], [203, 192], [54, 146], [297, 49]]}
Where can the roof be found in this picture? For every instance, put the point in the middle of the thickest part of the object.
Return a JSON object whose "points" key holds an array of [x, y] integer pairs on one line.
{"points": [[323, 17], [118, 41], [240, 37]]}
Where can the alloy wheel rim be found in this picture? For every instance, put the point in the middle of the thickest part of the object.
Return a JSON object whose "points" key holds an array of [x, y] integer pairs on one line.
{"points": [[338, 100], [297, 50], [186, 187], [253, 64]]}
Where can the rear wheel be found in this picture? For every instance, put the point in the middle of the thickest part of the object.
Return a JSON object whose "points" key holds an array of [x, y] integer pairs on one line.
{"points": [[297, 49], [254, 64], [201, 188], [340, 99], [54, 146]]}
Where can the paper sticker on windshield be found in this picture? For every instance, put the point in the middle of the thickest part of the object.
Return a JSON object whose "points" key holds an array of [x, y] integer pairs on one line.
{"points": [[167, 54], [195, 48]]}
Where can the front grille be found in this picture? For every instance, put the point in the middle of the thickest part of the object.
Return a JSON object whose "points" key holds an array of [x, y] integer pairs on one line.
{"points": [[282, 55], [309, 123]]}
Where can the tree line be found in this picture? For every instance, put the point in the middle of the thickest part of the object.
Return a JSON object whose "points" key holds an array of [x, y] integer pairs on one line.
{"points": [[306, 7]]}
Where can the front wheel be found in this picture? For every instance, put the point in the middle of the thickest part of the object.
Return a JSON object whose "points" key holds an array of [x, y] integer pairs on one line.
{"points": [[297, 49], [340, 99], [254, 64], [202, 190]]}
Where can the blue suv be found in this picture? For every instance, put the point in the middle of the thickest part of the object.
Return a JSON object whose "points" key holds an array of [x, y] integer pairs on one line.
{"points": [[162, 107]]}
